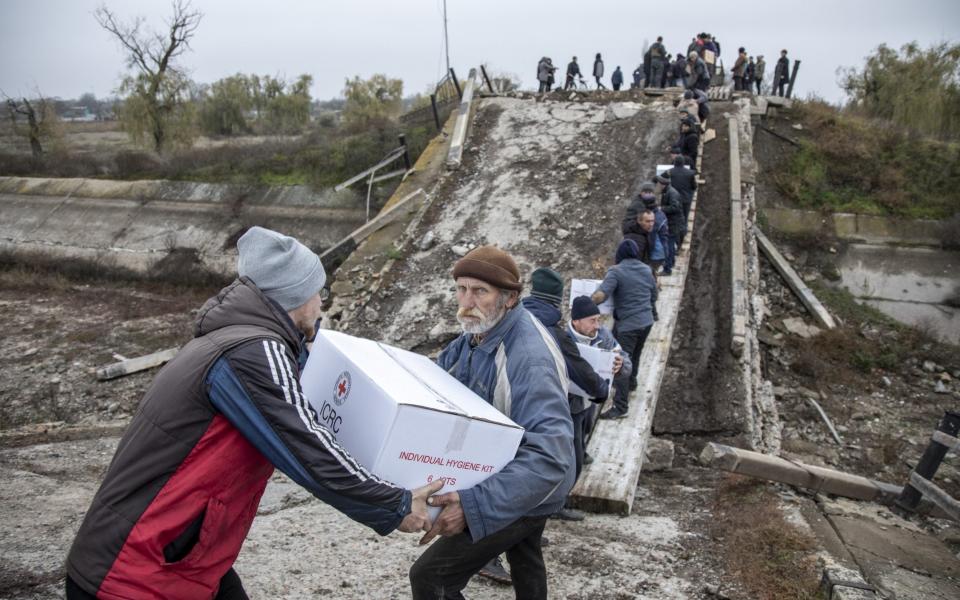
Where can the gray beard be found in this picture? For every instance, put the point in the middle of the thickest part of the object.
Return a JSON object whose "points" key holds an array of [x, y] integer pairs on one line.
{"points": [[483, 325]]}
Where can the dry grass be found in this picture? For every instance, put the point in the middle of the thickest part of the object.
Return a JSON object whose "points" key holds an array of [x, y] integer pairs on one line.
{"points": [[767, 556]]}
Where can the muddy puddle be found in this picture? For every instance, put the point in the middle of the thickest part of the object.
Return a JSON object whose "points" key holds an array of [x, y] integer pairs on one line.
{"points": [[913, 285]]}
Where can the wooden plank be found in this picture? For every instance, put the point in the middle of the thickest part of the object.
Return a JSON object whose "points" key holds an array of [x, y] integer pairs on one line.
{"points": [[738, 270], [947, 440], [738, 280], [134, 365], [933, 493], [459, 138], [609, 483], [804, 293], [775, 468], [734, 135]]}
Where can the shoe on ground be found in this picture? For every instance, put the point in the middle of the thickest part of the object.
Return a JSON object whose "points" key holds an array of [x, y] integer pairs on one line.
{"points": [[496, 571], [568, 514], [587, 459], [614, 413]]}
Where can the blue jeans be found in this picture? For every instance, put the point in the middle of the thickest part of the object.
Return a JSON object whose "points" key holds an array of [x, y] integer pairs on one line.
{"points": [[672, 248]]}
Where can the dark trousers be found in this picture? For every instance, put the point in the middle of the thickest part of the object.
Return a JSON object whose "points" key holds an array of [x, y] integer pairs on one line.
{"points": [[616, 87], [579, 437], [544, 87], [231, 588], [687, 203], [444, 569], [780, 86], [600, 85], [737, 83], [671, 254], [759, 82], [632, 343]]}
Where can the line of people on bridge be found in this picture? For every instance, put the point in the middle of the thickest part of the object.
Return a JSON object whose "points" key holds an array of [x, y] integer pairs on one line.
{"points": [[694, 69]]}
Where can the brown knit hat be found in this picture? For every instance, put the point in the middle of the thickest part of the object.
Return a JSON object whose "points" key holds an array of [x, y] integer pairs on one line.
{"points": [[492, 265]]}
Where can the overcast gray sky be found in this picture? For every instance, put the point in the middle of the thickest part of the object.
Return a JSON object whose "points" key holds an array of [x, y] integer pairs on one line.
{"points": [[57, 47]]}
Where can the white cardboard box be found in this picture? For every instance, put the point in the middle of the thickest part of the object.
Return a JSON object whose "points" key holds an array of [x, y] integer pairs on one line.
{"points": [[586, 287], [602, 362], [404, 418]]}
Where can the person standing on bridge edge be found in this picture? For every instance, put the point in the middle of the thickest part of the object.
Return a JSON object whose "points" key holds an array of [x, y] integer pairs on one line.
{"points": [[616, 80], [739, 67], [781, 74], [634, 291], [544, 303], [510, 360], [758, 72], [184, 485], [573, 70], [598, 72], [678, 71], [697, 75], [748, 75], [545, 71], [658, 62]]}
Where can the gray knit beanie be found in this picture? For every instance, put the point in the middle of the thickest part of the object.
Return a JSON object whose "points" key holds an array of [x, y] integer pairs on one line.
{"points": [[285, 270]]}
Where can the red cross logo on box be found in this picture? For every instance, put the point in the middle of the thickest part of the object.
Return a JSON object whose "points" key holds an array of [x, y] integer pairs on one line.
{"points": [[342, 388]]}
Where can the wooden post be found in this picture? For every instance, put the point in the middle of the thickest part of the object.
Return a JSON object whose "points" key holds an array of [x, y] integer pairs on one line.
{"points": [[483, 70], [134, 365], [793, 77], [456, 83], [436, 113], [406, 151], [930, 461], [804, 293]]}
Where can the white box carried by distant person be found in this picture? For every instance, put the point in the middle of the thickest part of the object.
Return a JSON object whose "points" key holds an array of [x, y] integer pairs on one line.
{"points": [[586, 287], [602, 362], [404, 418]]}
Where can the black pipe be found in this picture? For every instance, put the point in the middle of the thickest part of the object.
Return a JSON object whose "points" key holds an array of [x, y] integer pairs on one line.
{"points": [[456, 83], [793, 77]]}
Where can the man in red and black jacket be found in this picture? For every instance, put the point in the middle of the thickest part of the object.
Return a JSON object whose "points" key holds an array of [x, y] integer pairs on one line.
{"points": [[183, 488]]}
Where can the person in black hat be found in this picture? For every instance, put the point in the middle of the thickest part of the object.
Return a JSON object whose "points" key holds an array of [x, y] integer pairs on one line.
{"points": [[586, 327], [672, 206], [689, 140], [683, 179], [543, 303]]}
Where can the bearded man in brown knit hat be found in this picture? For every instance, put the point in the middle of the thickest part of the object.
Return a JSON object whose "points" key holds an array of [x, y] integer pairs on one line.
{"points": [[507, 357]]}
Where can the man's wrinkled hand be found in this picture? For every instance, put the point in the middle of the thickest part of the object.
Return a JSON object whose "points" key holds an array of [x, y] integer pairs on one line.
{"points": [[450, 521], [418, 519]]}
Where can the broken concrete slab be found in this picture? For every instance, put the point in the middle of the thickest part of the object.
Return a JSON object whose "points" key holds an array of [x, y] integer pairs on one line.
{"points": [[895, 555], [797, 326]]}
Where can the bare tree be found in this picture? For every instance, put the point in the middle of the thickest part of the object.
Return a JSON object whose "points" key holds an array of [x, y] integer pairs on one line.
{"points": [[38, 118], [158, 87]]}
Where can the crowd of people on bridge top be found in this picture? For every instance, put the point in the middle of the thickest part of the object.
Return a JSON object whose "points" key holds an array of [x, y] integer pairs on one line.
{"points": [[694, 69]]}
